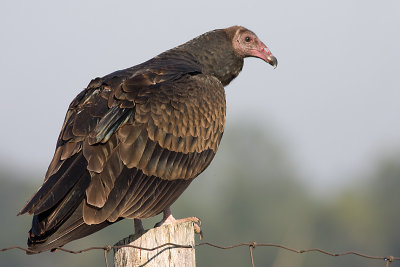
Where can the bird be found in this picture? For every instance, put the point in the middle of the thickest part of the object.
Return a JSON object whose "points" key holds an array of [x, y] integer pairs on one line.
{"points": [[133, 140]]}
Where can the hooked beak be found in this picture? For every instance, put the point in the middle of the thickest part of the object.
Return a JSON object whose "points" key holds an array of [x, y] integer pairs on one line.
{"points": [[272, 60], [265, 54]]}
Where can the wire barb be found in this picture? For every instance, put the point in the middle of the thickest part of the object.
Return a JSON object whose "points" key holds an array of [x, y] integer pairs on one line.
{"points": [[251, 247], [105, 256]]}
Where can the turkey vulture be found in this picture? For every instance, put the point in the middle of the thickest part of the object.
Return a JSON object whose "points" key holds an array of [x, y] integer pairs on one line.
{"points": [[133, 140]]}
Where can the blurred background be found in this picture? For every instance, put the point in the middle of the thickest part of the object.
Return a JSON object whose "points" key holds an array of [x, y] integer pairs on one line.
{"points": [[311, 152]]}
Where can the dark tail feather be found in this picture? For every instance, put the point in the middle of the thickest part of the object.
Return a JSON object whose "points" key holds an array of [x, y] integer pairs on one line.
{"points": [[72, 229], [63, 221], [56, 186]]}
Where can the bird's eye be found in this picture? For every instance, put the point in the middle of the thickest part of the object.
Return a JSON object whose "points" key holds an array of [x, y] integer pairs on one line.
{"points": [[247, 39]]}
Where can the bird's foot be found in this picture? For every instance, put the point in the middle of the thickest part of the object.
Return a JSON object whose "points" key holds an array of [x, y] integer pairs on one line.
{"points": [[168, 218], [138, 226]]}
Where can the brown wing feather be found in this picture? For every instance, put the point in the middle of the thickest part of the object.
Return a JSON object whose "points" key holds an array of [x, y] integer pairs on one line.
{"points": [[160, 146], [141, 136]]}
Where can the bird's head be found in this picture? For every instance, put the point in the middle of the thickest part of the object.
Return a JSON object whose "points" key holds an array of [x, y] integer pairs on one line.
{"points": [[220, 52], [246, 44]]}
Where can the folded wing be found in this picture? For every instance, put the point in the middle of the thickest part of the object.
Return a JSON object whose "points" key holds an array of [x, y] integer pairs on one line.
{"points": [[130, 145]]}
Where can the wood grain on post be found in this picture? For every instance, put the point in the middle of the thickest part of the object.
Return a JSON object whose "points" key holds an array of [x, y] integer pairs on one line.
{"points": [[177, 233]]}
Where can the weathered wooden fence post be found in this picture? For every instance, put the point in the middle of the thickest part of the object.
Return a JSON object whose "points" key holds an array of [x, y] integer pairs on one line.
{"points": [[177, 233]]}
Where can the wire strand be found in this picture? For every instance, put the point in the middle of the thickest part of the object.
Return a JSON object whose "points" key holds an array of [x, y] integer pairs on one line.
{"points": [[250, 245]]}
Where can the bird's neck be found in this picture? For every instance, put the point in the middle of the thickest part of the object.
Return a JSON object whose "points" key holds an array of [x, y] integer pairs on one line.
{"points": [[214, 52]]}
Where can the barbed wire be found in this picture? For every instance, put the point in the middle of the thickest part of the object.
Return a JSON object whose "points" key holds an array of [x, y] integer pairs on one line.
{"points": [[250, 245]]}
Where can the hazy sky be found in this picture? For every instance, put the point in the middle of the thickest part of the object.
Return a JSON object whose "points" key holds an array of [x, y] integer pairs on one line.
{"points": [[334, 98]]}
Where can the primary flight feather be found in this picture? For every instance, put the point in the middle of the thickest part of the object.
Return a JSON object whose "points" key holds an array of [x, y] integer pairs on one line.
{"points": [[133, 140]]}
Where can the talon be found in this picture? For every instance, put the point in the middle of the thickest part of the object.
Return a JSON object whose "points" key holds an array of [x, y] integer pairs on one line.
{"points": [[198, 231], [168, 218], [192, 219]]}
